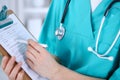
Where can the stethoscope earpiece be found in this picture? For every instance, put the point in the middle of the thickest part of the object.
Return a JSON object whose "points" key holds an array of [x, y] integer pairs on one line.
{"points": [[110, 58]]}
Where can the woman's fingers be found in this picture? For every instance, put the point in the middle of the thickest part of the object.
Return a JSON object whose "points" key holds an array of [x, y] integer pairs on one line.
{"points": [[30, 55], [32, 51], [20, 75], [15, 71], [12, 70], [30, 63], [35, 45], [10, 66], [4, 62]]}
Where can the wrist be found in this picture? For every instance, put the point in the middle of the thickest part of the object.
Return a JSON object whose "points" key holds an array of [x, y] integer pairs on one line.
{"points": [[57, 73]]}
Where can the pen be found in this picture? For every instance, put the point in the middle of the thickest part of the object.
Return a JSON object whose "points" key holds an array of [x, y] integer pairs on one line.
{"points": [[25, 42]]}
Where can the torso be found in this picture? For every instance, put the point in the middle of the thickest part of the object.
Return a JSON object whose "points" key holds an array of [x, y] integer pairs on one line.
{"points": [[81, 33]]}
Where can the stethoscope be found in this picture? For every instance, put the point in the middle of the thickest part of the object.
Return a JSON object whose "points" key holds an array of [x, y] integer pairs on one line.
{"points": [[60, 32]]}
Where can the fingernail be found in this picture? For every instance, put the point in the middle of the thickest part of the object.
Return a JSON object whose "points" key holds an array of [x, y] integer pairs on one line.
{"points": [[20, 63], [22, 72], [5, 57], [29, 41], [13, 57]]}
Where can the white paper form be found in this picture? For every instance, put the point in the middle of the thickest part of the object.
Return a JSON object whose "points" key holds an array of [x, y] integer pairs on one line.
{"points": [[8, 39]]}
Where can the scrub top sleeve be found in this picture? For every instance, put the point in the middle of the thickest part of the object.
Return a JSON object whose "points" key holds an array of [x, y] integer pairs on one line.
{"points": [[49, 20], [116, 75], [49, 23]]}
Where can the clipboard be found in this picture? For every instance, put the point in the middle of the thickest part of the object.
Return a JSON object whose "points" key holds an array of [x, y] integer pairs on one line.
{"points": [[6, 29], [3, 52]]}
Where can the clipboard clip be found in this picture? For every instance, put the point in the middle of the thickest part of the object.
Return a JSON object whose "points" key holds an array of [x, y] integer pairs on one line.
{"points": [[4, 20]]}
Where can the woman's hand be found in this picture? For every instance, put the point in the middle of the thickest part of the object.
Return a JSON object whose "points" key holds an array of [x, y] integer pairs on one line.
{"points": [[45, 65], [40, 60], [13, 71]]}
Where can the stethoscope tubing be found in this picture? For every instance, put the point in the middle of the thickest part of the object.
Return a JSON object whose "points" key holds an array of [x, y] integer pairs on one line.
{"points": [[61, 31], [110, 5], [65, 11]]}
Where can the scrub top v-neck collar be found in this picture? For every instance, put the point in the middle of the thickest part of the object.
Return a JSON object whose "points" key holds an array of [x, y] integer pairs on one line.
{"points": [[94, 4], [88, 28]]}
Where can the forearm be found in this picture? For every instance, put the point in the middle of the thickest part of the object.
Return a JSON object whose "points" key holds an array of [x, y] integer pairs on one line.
{"points": [[66, 74]]}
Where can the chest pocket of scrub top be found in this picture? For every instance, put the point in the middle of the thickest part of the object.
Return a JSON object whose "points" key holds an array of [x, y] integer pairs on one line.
{"points": [[74, 47], [109, 32]]}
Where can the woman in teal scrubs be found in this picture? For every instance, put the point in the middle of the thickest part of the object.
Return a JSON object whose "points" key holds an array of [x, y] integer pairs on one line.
{"points": [[89, 48]]}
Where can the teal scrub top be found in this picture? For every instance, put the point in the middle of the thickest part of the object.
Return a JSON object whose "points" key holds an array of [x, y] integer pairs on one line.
{"points": [[82, 27]]}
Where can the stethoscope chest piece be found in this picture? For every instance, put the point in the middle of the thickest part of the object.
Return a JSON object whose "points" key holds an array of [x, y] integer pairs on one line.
{"points": [[60, 32]]}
